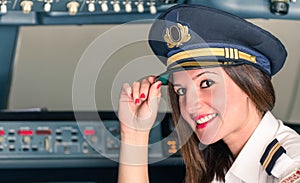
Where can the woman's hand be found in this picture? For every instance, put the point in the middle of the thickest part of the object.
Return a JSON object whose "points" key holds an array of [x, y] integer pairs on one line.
{"points": [[138, 106]]}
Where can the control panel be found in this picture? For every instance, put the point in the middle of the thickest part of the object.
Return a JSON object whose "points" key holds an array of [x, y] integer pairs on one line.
{"points": [[20, 139], [32, 138], [80, 12]]}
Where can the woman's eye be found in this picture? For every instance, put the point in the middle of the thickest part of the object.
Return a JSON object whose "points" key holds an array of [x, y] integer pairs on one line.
{"points": [[181, 91], [206, 83]]}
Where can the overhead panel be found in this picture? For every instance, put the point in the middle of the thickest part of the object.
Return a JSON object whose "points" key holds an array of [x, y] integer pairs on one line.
{"points": [[30, 12]]}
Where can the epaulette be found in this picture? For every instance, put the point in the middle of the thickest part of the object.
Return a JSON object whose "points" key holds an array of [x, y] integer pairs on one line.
{"points": [[272, 153]]}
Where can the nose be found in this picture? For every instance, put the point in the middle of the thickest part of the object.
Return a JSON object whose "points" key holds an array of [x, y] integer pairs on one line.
{"points": [[192, 101]]}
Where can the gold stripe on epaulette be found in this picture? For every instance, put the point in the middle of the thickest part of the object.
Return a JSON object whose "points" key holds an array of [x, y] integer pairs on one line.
{"points": [[206, 52], [271, 154]]}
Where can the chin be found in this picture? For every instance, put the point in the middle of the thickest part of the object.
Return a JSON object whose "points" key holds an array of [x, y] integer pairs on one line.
{"points": [[207, 140]]}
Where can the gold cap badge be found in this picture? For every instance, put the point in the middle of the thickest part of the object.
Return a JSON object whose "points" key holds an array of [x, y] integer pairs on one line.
{"points": [[177, 35]]}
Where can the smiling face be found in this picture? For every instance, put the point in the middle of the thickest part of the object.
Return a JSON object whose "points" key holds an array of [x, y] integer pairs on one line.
{"points": [[212, 104]]}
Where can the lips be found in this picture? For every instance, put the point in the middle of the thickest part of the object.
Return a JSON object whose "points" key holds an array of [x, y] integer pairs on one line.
{"points": [[203, 120]]}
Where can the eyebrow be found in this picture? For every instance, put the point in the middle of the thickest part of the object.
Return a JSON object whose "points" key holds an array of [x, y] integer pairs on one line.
{"points": [[197, 76]]}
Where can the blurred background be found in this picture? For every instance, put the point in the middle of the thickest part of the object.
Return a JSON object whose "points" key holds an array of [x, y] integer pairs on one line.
{"points": [[61, 56]]}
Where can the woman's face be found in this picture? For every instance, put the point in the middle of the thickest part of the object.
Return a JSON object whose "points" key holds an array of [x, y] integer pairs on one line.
{"points": [[211, 103]]}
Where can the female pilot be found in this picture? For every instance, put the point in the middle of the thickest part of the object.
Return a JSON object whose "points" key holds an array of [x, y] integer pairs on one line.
{"points": [[219, 70]]}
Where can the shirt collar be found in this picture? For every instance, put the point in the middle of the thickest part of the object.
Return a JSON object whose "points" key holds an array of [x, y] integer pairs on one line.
{"points": [[247, 166]]}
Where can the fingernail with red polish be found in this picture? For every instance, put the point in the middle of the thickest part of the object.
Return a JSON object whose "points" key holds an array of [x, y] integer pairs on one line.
{"points": [[158, 86], [131, 95], [142, 95], [137, 101]]}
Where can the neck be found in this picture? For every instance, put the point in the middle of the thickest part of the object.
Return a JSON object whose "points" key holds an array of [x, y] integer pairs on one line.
{"points": [[238, 138]]}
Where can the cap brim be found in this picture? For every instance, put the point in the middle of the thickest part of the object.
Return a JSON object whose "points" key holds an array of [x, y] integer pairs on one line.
{"points": [[163, 77]]}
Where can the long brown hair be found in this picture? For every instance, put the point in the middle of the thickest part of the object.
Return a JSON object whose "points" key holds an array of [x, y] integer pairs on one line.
{"points": [[205, 165]]}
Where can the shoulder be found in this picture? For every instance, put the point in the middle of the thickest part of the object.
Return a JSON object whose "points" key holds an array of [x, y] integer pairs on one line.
{"points": [[281, 158], [289, 140]]}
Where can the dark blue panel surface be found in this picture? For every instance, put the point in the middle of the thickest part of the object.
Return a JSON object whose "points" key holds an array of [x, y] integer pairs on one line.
{"points": [[8, 37]]}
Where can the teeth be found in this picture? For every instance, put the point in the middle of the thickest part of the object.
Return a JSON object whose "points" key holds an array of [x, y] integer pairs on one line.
{"points": [[206, 118]]}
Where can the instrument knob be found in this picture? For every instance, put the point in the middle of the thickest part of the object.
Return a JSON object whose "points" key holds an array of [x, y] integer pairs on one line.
{"points": [[140, 7], [91, 6], [128, 7], [26, 6], [116, 6], [72, 7], [3, 8], [104, 6], [26, 140], [47, 7], [153, 9]]}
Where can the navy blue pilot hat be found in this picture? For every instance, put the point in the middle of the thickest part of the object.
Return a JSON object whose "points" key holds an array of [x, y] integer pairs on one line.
{"points": [[194, 36]]}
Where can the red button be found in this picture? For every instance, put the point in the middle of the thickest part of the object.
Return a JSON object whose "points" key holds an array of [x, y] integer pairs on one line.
{"points": [[25, 132], [89, 132], [2, 132], [43, 132]]}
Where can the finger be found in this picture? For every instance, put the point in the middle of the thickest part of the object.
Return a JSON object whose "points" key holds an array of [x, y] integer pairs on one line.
{"points": [[151, 79], [144, 89], [136, 92], [155, 91], [126, 90], [154, 97]]}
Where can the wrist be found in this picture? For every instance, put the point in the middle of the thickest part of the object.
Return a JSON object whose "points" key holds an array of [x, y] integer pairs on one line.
{"points": [[134, 147], [134, 137]]}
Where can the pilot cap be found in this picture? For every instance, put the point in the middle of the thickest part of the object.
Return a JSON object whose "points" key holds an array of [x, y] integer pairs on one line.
{"points": [[193, 36]]}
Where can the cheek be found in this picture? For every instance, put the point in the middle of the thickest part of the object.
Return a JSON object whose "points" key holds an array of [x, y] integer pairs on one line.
{"points": [[219, 100], [228, 103], [185, 115], [182, 108], [236, 104]]}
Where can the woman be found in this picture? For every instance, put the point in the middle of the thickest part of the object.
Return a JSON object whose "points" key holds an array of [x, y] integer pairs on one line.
{"points": [[219, 70]]}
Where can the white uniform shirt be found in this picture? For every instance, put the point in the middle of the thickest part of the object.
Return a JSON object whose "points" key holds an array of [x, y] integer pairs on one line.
{"points": [[247, 167]]}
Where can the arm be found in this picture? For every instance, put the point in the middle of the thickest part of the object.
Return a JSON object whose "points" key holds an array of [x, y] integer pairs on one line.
{"points": [[137, 115], [133, 167]]}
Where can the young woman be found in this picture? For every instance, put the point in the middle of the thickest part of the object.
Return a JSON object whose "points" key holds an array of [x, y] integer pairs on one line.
{"points": [[219, 70]]}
